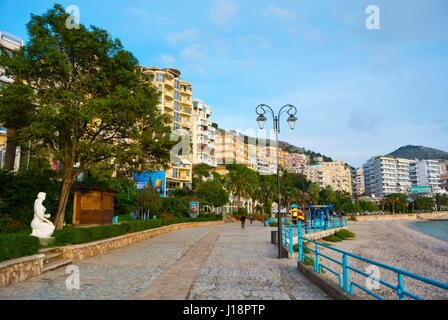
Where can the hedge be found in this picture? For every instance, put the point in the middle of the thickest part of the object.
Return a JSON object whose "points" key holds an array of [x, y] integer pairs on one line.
{"points": [[83, 235], [16, 246]]}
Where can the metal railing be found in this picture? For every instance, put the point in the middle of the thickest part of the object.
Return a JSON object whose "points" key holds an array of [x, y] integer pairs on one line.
{"points": [[345, 282], [316, 225]]}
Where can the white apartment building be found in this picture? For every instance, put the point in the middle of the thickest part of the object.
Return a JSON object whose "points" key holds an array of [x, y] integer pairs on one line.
{"points": [[425, 173], [203, 134], [384, 175]]}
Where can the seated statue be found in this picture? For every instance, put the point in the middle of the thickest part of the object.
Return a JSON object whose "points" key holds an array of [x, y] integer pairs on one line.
{"points": [[42, 227]]}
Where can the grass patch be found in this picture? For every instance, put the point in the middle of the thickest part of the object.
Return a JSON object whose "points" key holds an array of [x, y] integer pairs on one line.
{"points": [[304, 248], [340, 236]]}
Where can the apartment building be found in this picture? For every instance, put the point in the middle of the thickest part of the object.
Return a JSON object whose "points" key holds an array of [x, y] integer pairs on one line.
{"points": [[425, 173], [335, 174], [384, 175], [296, 162], [176, 100], [443, 165], [203, 134], [9, 43], [358, 182]]}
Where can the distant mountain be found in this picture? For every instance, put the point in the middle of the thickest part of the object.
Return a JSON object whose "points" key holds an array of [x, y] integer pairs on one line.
{"points": [[419, 152]]}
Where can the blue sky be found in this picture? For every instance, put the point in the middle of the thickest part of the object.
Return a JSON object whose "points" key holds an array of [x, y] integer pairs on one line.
{"points": [[359, 92]]}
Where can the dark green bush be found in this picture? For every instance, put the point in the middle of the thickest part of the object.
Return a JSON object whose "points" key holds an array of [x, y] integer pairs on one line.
{"points": [[296, 249], [18, 191], [274, 224], [333, 238], [16, 246], [82, 235], [242, 211], [344, 234]]}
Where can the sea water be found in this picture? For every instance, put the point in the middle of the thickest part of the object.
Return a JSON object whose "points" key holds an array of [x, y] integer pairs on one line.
{"points": [[436, 229]]}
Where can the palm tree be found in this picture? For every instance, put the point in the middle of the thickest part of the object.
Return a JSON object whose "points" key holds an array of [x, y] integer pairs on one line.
{"points": [[238, 184]]}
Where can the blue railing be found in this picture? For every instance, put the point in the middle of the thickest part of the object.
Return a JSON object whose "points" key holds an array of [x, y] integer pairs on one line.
{"points": [[291, 231], [343, 275]]}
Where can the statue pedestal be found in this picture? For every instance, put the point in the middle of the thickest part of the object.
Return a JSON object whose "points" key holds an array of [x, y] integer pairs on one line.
{"points": [[47, 241]]}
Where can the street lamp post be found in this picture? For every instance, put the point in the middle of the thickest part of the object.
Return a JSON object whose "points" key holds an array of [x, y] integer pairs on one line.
{"points": [[291, 110]]}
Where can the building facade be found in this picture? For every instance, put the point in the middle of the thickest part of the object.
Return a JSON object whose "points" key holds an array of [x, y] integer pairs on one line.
{"points": [[335, 174], [384, 175], [425, 173], [358, 185], [203, 134], [176, 100]]}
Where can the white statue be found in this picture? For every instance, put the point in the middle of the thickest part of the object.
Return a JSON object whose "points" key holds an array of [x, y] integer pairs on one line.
{"points": [[42, 227]]}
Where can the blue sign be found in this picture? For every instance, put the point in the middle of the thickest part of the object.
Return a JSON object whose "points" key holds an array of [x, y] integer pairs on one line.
{"points": [[158, 179]]}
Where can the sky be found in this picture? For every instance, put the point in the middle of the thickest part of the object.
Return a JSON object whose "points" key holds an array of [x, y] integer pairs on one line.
{"points": [[359, 92]]}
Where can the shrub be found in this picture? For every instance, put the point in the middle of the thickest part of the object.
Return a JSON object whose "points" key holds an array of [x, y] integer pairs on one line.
{"points": [[16, 246], [296, 249], [242, 211], [344, 234], [333, 238], [274, 224], [82, 235]]}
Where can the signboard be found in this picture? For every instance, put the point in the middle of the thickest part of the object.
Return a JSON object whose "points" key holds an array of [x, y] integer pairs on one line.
{"points": [[194, 209], [158, 179], [416, 190]]}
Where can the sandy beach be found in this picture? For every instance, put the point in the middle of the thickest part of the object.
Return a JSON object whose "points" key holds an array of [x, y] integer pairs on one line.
{"points": [[395, 244]]}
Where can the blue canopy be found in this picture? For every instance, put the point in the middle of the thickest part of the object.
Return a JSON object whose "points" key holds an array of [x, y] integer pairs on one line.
{"points": [[294, 206]]}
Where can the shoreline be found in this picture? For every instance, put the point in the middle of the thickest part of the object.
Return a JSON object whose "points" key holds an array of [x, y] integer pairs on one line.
{"points": [[393, 243], [421, 233]]}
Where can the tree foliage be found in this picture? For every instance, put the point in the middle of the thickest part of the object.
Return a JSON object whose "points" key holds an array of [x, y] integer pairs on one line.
{"points": [[81, 101]]}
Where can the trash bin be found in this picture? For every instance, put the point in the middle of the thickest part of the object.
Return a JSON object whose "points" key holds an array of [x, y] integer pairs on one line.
{"points": [[274, 237]]}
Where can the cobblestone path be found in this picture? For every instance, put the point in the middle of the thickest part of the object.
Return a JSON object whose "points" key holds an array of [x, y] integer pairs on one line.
{"points": [[213, 262]]}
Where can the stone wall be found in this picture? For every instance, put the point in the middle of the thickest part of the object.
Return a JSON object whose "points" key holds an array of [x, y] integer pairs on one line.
{"points": [[20, 269], [387, 217], [91, 249], [412, 216], [434, 215]]}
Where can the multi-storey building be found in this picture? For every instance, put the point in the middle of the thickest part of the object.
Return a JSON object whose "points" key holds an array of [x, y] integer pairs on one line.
{"points": [[296, 162], [443, 165], [175, 100], [358, 185], [425, 173], [9, 43], [225, 147], [203, 134], [384, 175], [335, 174]]}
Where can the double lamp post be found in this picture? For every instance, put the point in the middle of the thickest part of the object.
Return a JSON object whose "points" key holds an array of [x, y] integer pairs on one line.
{"points": [[291, 110]]}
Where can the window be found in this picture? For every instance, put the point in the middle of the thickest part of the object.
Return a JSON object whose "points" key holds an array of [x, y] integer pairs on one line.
{"points": [[176, 95], [175, 173], [176, 105], [160, 77], [176, 84], [188, 173], [175, 126], [176, 117], [160, 87]]}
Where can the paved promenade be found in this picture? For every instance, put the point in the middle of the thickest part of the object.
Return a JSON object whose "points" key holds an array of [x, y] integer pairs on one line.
{"points": [[213, 262]]}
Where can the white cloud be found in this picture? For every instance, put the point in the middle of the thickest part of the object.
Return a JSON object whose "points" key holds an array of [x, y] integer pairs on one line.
{"points": [[280, 13], [167, 59], [254, 40], [193, 53], [223, 12], [186, 35]]}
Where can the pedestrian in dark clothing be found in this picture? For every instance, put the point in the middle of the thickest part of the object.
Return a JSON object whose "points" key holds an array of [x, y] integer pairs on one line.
{"points": [[243, 221]]}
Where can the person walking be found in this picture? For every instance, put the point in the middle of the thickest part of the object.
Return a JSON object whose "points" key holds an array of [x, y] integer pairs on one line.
{"points": [[243, 221], [251, 218]]}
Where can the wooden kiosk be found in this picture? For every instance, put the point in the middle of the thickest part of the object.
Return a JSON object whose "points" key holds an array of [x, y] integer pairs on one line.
{"points": [[93, 206]]}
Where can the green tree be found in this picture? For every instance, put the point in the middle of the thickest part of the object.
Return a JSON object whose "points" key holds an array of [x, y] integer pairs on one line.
{"points": [[148, 200], [82, 101], [397, 202], [212, 193], [313, 192], [425, 204], [240, 180]]}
